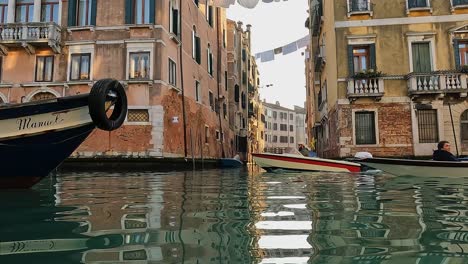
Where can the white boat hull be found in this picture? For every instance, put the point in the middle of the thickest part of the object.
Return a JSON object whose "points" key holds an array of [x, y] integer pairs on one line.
{"points": [[269, 161]]}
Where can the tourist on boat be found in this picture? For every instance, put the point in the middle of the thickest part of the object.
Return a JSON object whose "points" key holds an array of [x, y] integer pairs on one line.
{"points": [[303, 149], [443, 152]]}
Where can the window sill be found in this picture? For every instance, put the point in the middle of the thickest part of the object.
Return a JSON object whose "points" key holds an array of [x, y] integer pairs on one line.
{"points": [[356, 13], [35, 84], [88, 82], [6, 85], [80, 28], [136, 26], [459, 7], [175, 38], [175, 88], [419, 9], [147, 81]]}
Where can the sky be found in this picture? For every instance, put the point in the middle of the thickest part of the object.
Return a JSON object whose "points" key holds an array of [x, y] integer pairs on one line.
{"points": [[275, 25]]}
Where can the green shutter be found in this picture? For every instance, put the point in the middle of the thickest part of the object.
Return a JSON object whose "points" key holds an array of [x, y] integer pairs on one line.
{"points": [[93, 12], [373, 64], [350, 60], [152, 12], [456, 51], [128, 11], [71, 13]]}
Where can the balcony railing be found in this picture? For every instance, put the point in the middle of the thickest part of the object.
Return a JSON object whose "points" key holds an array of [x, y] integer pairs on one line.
{"points": [[370, 87], [34, 33], [437, 83]]}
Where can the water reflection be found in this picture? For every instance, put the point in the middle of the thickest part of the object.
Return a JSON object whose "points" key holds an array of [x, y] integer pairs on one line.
{"points": [[234, 216]]}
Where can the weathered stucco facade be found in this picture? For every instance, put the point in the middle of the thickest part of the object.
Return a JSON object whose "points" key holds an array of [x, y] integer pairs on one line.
{"points": [[171, 57], [385, 75]]}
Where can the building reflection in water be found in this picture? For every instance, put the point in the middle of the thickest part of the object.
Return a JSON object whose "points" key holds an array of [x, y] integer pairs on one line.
{"points": [[185, 217]]}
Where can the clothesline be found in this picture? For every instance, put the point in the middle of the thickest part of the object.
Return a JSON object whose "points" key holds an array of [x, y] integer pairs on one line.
{"points": [[269, 55], [244, 3]]}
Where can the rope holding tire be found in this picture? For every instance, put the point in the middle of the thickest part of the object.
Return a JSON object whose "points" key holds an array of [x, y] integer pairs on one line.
{"points": [[101, 92]]}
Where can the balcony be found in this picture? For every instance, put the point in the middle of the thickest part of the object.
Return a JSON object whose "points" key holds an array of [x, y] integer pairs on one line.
{"points": [[30, 36], [370, 87], [438, 83]]}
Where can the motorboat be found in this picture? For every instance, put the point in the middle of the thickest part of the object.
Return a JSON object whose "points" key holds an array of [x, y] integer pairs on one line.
{"points": [[271, 162], [410, 167], [36, 137]]}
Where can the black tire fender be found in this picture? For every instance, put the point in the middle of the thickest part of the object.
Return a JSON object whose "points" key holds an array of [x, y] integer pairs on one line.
{"points": [[97, 104]]}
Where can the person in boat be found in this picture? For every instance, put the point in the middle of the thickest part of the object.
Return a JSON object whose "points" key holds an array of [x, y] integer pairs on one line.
{"points": [[443, 152], [303, 149]]}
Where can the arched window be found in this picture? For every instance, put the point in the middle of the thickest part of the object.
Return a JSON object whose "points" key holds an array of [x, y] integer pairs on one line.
{"points": [[464, 126], [42, 96], [236, 93]]}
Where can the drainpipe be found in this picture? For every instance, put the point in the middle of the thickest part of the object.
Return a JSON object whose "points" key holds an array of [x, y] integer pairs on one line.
{"points": [[218, 78], [182, 80], [453, 128]]}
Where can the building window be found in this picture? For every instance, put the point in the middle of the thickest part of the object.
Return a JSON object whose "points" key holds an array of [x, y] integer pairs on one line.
{"points": [[365, 128], [460, 2], [225, 80], [141, 13], [428, 126], [80, 12], [83, 17], [218, 136], [421, 56], [261, 134], [360, 59], [275, 139], [138, 116], [196, 48], [283, 139], [358, 5], [291, 117], [291, 128], [283, 127], [244, 55], [275, 126], [172, 73], [225, 110], [243, 100], [198, 92], [195, 2], [3, 11], [209, 14], [291, 139], [418, 3], [174, 18], [80, 66], [209, 60], [44, 68], [139, 65], [463, 52], [244, 77], [275, 114], [24, 11], [49, 11], [212, 104], [236, 93], [207, 135], [464, 126]]}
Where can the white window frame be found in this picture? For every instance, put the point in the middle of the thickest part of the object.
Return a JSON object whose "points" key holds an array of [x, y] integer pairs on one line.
{"points": [[198, 97], [194, 48], [140, 47], [211, 96], [84, 48], [368, 11], [208, 61], [376, 122], [170, 73], [174, 5], [457, 6], [422, 38], [428, 7]]}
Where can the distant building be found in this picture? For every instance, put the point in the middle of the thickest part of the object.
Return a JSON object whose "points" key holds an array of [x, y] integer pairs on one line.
{"points": [[387, 77], [282, 127]]}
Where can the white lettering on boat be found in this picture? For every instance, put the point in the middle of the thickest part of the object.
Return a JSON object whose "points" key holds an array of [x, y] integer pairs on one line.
{"points": [[29, 122]]}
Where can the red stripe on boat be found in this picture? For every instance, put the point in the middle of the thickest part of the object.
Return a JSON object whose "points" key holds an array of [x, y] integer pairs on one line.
{"points": [[351, 168]]}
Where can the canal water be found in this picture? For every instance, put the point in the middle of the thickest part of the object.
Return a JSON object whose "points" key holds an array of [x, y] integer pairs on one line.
{"points": [[235, 216]]}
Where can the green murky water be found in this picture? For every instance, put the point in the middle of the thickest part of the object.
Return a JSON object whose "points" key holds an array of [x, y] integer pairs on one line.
{"points": [[235, 216]]}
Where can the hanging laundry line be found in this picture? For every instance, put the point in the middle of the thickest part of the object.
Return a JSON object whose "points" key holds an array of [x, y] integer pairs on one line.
{"points": [[244, 3], [294, 46]]}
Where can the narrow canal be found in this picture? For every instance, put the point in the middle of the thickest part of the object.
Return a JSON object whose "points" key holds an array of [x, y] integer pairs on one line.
{"points": [[235, 216]]}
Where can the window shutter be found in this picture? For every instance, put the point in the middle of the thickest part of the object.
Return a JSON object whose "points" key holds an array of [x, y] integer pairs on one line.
{"points": [[350, 60], [71, 13], [152, 13], [372, 56], [456, 50], [93, 12], [128, 12]]}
